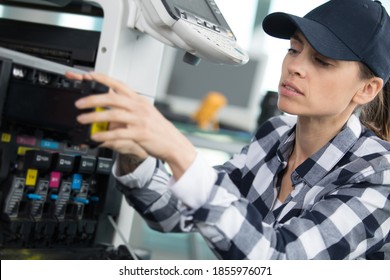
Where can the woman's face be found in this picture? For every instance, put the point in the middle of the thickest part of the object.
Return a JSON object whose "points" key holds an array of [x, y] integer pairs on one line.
{"points": [[315, 86]]}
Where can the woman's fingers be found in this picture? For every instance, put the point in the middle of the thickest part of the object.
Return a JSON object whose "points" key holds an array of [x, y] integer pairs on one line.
{"points": [[109, 115], [110, 99], [116, 85], [74, 76], [111, 135], [120, 140], [125, 146], [136, 126], [78, 76]]}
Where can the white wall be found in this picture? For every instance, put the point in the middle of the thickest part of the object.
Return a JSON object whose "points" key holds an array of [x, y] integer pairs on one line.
{"points": [[240, 17]]}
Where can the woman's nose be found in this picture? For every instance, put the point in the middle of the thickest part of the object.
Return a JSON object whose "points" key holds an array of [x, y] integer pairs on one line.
{"points": [[297, 65]]}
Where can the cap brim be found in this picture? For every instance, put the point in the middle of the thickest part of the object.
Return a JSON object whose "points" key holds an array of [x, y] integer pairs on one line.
{"points": [[283, 25]]}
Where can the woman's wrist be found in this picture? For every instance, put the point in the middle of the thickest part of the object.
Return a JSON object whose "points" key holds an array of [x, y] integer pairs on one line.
{"points": [[181, 159]]}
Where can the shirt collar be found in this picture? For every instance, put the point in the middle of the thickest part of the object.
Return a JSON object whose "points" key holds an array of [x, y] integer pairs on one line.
{"points": [[322, 162]]}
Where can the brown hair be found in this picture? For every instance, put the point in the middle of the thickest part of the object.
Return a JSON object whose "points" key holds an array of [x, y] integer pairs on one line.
{"points": [[376, 114]]}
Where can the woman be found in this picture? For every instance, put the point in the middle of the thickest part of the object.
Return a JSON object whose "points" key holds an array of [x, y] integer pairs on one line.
{"points": [[314, 186]]}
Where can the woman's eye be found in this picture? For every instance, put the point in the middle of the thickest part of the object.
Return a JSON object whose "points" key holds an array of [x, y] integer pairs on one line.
{"points": [[322, 62], [292, 51]]}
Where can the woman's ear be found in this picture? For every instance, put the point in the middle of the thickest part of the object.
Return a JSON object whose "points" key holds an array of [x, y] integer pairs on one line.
{"points": [[370, 90]]}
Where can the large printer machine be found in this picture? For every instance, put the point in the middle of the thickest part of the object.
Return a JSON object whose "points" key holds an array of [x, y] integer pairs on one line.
{"points": [[58, 199]]}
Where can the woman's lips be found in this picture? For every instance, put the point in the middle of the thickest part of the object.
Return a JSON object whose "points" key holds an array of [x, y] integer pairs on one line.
{"points": [[289, 90]]}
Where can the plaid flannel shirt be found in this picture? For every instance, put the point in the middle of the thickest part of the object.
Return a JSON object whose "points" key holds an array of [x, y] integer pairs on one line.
{"points": [[339, 208]]}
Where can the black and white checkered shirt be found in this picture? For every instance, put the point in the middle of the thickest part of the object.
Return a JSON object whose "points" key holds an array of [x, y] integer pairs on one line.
{"points": [[339, 208]]}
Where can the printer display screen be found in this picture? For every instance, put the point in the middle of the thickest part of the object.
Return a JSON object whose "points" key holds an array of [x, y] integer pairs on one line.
{"points": [[200, 8]]}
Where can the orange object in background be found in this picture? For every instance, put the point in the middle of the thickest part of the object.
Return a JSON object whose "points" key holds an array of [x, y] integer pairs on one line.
{"points": [[207, 114]]}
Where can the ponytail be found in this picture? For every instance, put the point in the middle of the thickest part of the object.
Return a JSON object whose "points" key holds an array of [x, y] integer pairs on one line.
{"points": [[376, 114]]}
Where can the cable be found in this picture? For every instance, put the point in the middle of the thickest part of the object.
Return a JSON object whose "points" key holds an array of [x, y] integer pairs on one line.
{"points": [[111, 219]]}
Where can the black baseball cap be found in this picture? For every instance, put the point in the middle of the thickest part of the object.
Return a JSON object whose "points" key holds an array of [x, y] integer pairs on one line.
{"points": [[354, 30]]}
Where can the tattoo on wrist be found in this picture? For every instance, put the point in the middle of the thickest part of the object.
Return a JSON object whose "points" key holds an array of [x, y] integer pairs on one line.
{"points": [[128, 163]]}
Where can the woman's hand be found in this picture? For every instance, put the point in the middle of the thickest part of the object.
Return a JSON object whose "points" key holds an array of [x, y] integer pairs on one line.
{"points": [[136, 126]]}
